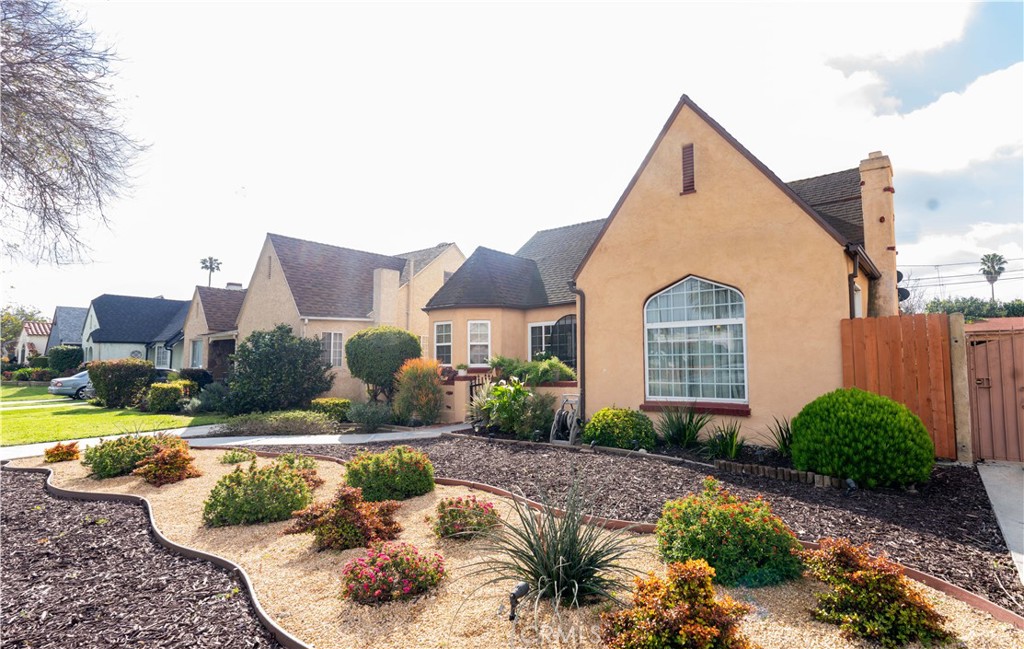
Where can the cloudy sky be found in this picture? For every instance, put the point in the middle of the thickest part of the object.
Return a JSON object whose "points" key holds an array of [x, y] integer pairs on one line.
{"points": [[391, 127]]}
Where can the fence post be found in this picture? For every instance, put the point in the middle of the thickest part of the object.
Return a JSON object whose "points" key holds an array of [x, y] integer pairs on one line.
{"points": [[961, 388]]}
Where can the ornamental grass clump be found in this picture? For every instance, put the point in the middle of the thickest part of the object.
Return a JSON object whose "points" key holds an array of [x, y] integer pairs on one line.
{"points": [[256, 495], [463, 517], [117, 456], [870, 597], [348, 521], [620, 428], [850, 433], [560, 556], [679, 612], [396, 474], [61, 452], [390, 571], [742, 540]]}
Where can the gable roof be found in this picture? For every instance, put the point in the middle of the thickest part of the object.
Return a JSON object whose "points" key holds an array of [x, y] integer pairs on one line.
{"points": [[129, 319], [34, 328], [329, 281], [558, 252], [67, 326], [220, 306], [417, 260], [836, 198], [685, 101], [490, 278]]}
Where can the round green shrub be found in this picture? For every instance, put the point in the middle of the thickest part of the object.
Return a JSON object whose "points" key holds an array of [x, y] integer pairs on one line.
{"points": [[850, 433], [257, 495], [742, 540], [618, 427], [396, 474], [370, 415], [336, 409], [375, 355], [118, 456]]}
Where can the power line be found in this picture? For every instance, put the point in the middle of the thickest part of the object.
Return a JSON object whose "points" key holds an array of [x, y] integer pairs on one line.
{"points": [[957, 263], [943, 277]]}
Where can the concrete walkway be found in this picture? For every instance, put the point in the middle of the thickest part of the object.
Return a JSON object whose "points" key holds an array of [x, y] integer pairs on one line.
{"points": [[199, 436], [1004, 482]]}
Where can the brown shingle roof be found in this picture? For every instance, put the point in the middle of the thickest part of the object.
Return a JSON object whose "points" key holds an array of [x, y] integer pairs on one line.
{"points": [[419, 259], [558, 252], [328, 281], [836, 198], [221, 306], [490, 278]]}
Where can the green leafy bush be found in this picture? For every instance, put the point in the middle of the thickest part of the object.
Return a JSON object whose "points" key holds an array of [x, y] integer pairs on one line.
{"points": [[540, 414], [304, 465], [336, 409], [507, 405], [418, 391], [348, 521], [681, 427], [870, 598], [117, 456], [166, 397], [375, 355], [237, 456], [724, 441], [169, 462], [121, 383], [619, 427], [23, 374], [396, 474], [291, 422], [742, 540], [532, 373], [197, 375], [680, 612], [370, 416], [257, 495], [39, 362], [64, 358], [850, 433], [61, 452], [276, 370], [463, 517], [390, 571], [212, 398]]}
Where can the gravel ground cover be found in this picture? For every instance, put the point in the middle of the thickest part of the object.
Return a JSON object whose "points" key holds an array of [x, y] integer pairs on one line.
{"points": [[90, 575], [946, 529]]}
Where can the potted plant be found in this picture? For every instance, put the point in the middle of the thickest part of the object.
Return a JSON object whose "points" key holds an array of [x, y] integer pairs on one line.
{"points": [[462, 368]]}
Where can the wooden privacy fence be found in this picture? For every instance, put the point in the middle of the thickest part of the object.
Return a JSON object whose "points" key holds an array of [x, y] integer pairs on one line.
{"points": [[905, 358], [996, 371]]}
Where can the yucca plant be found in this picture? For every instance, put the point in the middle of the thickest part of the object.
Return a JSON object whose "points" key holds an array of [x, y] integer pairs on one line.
{"points": [[478, 410], [559, 556], [724, 442], [682, 426], [782, 436]]}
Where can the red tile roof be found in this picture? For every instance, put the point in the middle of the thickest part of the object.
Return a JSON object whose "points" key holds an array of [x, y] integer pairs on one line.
{"points": [[37, 328]]}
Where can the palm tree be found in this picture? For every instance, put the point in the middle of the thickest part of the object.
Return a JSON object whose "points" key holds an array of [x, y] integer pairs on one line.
{"points": [[992, 266], [213, 265]]}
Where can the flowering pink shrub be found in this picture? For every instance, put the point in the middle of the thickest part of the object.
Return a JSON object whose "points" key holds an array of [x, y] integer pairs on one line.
{"points": [[461, 517], [390, 571]]}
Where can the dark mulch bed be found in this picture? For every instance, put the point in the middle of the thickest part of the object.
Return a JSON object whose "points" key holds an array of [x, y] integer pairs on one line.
{"points": [[946, 529], [90, 574]]}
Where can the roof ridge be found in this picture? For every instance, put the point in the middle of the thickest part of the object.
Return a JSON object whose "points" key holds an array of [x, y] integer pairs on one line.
{"points": [[832, 173], [571, 225], [331, 245], [443, 244]]}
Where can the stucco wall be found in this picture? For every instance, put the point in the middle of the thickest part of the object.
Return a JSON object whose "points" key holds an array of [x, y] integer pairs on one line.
{"points": [[195, 327], [345, 385], [413, 296], [737, 229], [509, 329], [268, 302], [113, 351]]}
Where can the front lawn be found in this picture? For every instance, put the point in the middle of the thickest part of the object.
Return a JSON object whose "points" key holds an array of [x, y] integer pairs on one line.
{"points": [[56, 424], [26, 393]]}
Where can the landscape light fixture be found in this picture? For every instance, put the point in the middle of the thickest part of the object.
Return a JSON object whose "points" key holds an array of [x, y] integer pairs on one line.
{"points": [[519, 592]]}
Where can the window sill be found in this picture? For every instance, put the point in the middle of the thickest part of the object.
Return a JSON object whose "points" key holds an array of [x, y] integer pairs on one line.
{"points": [[703, 407]]}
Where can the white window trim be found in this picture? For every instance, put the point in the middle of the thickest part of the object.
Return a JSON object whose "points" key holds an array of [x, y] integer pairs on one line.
{"points": [[330, 348], [451, 340], [469, 343], [695, 323], [156, 357], [192, 353], [529, 336]]}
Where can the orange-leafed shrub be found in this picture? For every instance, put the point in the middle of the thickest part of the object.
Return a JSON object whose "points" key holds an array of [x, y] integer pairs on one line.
{"points": [[419, 393], [61, 452]]}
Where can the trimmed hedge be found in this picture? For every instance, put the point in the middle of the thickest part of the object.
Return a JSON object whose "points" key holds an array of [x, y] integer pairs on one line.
{"points": [[166, 397], [619, 427], [39, 362], [396, 474], [336, 409], [121, 383], [376, 354], [64, 359]]}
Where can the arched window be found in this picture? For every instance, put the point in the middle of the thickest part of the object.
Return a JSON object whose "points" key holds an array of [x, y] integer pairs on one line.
{"points": [[695, 343]]}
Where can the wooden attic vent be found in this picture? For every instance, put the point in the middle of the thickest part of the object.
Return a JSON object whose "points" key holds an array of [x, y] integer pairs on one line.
{"points": [[689, 184]]}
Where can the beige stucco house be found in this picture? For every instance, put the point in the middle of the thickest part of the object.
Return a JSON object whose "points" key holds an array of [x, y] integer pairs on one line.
{"points": [[328, 292], [210, 328], [714, 284]]}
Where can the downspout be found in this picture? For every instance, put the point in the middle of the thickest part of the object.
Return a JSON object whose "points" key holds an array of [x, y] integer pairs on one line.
{"points": [[852, 279], [582, 342]]}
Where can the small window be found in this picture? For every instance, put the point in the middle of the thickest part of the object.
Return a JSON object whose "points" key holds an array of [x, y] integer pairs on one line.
{"points": [[197, 354], [443, 342], [479, 342], [689, 182], [162, 357], [331, 348], [540, 338]]}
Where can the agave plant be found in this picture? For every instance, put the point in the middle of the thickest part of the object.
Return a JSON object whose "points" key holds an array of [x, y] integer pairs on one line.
{"points": [[724, 442]]}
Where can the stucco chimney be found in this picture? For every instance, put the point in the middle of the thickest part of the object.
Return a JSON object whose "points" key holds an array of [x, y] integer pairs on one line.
{"points": [[385, 296], [233, 286], [876, 193]]}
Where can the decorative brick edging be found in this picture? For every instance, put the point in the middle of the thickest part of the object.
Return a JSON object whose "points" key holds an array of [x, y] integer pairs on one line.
{"points": [[779, 473], [286, 639]]}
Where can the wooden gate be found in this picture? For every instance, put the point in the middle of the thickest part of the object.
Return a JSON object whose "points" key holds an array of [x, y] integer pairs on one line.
{"points": [[995, 366], [905, 358]]}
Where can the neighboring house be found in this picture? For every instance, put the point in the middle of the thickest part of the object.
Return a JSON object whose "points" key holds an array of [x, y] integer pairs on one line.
{"points": [[68, 322], [715, 285], [518, 305], [32, 340], [210, 331], [122, 326], [330, 293]]}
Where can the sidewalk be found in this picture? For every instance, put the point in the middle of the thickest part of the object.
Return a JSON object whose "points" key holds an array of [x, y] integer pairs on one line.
{"points": [[197, 437], [1004, 482]]}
